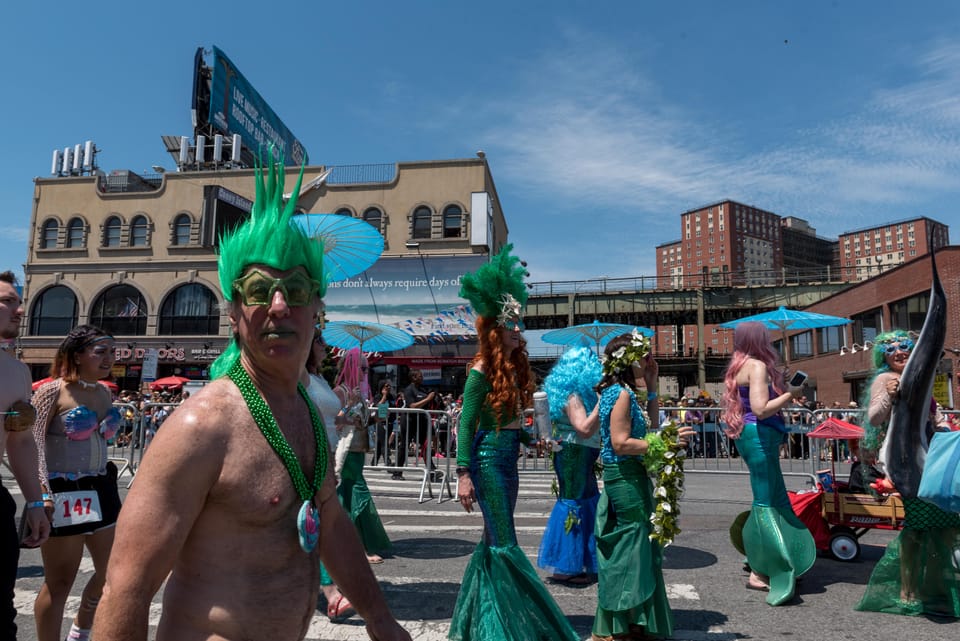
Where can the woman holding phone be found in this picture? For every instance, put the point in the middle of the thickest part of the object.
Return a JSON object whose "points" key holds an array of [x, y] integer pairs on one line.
{"points": [[778, 546]]}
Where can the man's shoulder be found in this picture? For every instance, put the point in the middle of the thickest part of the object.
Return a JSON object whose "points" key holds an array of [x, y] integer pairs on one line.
{"points": [[218, 405]]}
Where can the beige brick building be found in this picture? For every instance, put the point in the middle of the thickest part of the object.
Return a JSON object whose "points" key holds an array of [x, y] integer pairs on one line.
{"points": [[136, 255]]}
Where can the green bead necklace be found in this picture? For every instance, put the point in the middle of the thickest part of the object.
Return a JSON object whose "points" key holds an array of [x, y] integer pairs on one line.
{"points": [[308, 517]]}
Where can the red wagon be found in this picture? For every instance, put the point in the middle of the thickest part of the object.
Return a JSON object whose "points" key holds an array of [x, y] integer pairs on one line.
{"points": [[836, 517]]}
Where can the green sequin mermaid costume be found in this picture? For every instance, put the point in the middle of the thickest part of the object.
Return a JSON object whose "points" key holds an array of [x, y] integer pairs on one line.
{"points": [[502, 597]]}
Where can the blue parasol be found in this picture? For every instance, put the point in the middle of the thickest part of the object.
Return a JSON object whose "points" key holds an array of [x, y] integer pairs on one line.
{"points": [[368, 336], [592, 334], [785, 320], [350, 245]]}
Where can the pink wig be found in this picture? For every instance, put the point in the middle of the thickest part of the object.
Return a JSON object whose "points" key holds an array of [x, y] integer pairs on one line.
{"points": [[353, 372], [750, 340]]}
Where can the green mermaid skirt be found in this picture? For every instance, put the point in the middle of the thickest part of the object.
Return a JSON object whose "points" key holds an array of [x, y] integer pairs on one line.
{"points": [[502, 597], [920, 569], [630, 590], [775, 540], [355, 497]]}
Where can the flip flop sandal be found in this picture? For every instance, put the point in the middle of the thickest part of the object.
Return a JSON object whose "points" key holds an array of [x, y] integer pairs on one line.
{"points": [[340, 610]]}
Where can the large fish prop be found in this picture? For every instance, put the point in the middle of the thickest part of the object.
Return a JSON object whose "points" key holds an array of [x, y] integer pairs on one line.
{"points": [[909, 431]]}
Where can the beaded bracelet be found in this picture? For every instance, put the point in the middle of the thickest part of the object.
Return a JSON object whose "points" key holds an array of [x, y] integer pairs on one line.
{"points": [[33, 504], [462, 470]]}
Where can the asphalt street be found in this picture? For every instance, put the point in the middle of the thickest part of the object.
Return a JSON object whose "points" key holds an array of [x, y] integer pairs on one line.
{"points": [[704, 575]]}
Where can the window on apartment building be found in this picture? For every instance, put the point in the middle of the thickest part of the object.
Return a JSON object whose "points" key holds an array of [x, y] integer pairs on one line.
{"points": [[48, 238], [829, 339], [111, 232], [75, 233], [374, 217], [139, 228], [181, 230], [422, 222], [121, 309], [190, 309], [344, 211], [452, 221], [54, 312], [866, 325]]}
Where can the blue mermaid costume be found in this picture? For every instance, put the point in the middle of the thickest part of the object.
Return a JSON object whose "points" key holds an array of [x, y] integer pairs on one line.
{"points": [[501, 597], [631, 591]]}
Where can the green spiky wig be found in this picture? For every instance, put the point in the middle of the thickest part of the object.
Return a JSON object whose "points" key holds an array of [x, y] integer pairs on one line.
{"points": [[486, 287], [266, 238]]}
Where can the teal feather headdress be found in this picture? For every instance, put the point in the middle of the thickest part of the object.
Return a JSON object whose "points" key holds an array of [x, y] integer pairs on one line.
{"points": [[496, 288]]}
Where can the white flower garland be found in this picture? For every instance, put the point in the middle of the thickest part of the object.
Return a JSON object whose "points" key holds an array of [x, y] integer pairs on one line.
{"points": [[664, 461]]}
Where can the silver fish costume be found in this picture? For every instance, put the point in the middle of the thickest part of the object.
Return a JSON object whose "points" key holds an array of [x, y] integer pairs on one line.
{"points": [[909, 431]]}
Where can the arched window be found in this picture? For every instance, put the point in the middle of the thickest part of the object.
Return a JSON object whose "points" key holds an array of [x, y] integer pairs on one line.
{"points": [[190, 309], [422, 219], [452, 221], [111, 232], [120, 310], [375, 217], [49, 238], [138, 231], [75, 229], [181, 230], [343, 211], [54, 312]]}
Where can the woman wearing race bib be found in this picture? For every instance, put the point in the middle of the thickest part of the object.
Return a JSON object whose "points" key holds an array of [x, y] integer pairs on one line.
{"points": [[75, 419]]}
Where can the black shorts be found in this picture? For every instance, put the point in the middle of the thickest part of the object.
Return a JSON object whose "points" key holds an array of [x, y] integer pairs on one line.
{"points": [[105, 486]]}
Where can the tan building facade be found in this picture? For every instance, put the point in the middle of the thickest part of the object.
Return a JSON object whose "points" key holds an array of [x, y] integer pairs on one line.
{"points": [[136, 255]]}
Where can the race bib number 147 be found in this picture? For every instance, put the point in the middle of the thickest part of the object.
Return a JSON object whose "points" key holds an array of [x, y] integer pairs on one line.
{"points": [[74, 508]]}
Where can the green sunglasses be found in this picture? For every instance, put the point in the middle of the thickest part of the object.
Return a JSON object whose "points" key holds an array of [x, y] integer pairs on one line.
{"points": [[257, 288]]}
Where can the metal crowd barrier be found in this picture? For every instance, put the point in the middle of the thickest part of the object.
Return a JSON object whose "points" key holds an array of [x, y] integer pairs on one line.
{"points": [[415, 441], [137, 429]]}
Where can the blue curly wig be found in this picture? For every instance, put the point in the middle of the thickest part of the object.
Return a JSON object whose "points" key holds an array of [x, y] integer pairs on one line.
{"points": [[577, 372]]}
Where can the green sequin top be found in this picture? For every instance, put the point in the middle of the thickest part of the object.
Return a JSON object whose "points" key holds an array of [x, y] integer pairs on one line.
{"points": [[477, 415]]}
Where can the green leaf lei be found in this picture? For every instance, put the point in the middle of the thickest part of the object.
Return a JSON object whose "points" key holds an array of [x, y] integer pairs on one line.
{"points": [[664, 460]]}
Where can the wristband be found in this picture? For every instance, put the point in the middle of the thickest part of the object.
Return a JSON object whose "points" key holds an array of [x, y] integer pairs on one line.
{"points": [[462, 470], [46, 497], [33, 504], [651, 396]]}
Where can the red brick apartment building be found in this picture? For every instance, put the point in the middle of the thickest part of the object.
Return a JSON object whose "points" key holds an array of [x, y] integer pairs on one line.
{"points": [[895, 299]]}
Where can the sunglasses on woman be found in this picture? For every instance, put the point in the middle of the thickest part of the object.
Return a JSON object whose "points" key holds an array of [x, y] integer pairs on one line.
{"points": [[257, 288], [905, 345]]}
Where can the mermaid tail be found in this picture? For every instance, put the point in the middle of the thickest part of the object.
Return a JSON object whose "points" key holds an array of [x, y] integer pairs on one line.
{"points": [[776, 541], [926, 555], [502, 596], [631, 591], [568, 546], [356, 500]]}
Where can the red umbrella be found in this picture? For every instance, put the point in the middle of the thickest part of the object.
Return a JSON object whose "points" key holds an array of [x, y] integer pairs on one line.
{"points": [[835, 428], [42, 381], [169, 382], [108, 384]]}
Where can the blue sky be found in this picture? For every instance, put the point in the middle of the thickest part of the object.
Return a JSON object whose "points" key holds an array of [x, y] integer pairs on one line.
{"points": [[602, 121]]}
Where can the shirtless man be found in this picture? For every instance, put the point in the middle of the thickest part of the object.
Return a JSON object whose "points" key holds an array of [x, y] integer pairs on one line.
{"points": [[217, 504], [16, 438]]}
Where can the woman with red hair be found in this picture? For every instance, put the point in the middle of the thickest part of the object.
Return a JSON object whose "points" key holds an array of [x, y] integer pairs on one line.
{"points": [[778, 546], [501, 596]]}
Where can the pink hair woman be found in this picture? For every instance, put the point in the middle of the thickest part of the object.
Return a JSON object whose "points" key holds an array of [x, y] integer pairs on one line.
{"points": [[778, 546], [353, 422]]}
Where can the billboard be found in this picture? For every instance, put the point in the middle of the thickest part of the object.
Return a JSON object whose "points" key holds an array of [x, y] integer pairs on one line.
{"points": [[417, 293], [235, 107]]}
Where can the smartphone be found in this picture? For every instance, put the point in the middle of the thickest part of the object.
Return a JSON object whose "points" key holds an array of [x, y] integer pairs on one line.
{"points": [[798, 379]]}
